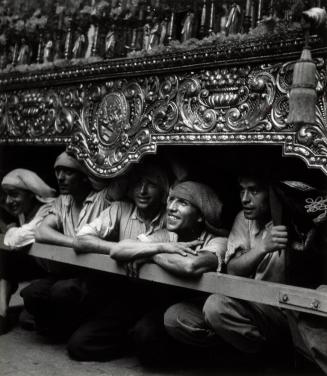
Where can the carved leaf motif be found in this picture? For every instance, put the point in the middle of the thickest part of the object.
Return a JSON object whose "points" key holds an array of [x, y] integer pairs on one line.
{"points": [[135, 98]]}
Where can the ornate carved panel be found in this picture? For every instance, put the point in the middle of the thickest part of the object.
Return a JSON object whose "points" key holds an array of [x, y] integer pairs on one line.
{"points": [[227, 105], [110, 121]]}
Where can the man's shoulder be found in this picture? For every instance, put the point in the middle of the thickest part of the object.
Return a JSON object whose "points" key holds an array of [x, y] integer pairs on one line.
{"points": [[62, 202], [161, 235]]}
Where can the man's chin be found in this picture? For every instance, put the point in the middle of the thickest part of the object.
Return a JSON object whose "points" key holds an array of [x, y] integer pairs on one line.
{"points": [[171, 227], [14, 213], [249, 214], [142, 205]]}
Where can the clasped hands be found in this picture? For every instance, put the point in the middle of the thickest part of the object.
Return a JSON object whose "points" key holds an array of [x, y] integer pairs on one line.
{"points": [[180, 248]]}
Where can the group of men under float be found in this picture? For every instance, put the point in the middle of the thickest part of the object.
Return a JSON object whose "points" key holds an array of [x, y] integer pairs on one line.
{"points": [[176, 225]]}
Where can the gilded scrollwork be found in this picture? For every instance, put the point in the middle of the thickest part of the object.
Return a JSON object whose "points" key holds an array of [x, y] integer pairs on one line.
{"points": [[112, 122]]}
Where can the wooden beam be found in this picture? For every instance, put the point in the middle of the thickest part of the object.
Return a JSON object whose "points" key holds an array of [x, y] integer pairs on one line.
{"points": [[275, 294]]}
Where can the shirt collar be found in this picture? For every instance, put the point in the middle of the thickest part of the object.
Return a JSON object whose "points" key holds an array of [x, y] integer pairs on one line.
{"points": [[156, 219], [68, 199], [257, 230]]}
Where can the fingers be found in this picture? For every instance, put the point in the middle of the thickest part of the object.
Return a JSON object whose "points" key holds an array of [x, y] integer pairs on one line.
{"points": [[188, 250], [279, 235], [194, 243], [220, 262], [132, 269]]}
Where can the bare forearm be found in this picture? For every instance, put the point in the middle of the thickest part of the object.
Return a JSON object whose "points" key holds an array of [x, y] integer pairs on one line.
{"points": [[245, 264], [93, 244], [127, 250], [190, 266], [46, 234]]}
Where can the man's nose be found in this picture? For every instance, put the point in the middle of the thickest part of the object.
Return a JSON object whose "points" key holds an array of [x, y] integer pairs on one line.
{"points": [[172, 205], [143, 188], [60, 176], [8, 200], [245, 196]]}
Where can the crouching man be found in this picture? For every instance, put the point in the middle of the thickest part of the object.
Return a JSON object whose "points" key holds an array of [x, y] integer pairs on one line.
{"points": [[55, 301], [192, 244], [256, 249]]}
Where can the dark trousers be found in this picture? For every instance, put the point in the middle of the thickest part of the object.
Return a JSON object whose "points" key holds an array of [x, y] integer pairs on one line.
{"points": [[54, 304], [113, 331], [60, 306], [17, 266]]}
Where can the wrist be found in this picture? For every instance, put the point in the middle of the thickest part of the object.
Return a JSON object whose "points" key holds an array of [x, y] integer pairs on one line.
{"points": [[263, 250], [160, 248]]}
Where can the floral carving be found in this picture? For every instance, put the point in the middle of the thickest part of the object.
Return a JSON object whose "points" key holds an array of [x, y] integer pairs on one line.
{"points": [[113, 122]]}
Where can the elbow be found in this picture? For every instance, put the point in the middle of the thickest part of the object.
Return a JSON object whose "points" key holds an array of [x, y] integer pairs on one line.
{"points": [[191, 269], [231, 269]]}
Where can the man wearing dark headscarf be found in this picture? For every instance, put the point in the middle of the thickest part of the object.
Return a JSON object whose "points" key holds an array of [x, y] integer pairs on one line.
{"points": [[192, 244]]}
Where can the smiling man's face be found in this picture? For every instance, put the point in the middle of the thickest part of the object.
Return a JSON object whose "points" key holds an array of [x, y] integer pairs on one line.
{"points": [[181, 215], [18, 201]]}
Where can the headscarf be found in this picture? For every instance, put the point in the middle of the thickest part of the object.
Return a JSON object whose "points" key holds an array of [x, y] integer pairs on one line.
{"points": [[66, 160], [204, 199], [29, 181]]}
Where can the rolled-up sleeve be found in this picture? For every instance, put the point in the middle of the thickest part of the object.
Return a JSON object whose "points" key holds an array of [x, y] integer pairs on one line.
{"points": [[105, 224], [216, 245], [238, 239]]}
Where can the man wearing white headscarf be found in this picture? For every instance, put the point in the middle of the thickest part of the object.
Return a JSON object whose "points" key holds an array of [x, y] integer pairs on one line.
{"points": [[28, 198]]}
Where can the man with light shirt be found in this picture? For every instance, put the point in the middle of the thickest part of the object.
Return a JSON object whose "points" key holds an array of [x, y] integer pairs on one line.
{"points": [[193, 227], [54, 300]]}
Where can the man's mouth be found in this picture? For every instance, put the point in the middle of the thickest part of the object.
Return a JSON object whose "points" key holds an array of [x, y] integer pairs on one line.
{"points": [[172, 217], [143, 199], [13, 207]]}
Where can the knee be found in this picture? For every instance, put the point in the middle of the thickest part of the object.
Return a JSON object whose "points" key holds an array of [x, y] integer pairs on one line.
{"points": [[35, 291], [76, 346], [145, 332], [214, 310], [171, 318], [65, 291]]}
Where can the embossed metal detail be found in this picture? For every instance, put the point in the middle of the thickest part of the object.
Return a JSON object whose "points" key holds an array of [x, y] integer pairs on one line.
{"points": [[237, 105], [112, 122]]}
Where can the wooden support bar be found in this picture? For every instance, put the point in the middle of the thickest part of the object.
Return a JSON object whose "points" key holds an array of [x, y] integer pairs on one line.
{"points": [[275, 294]]}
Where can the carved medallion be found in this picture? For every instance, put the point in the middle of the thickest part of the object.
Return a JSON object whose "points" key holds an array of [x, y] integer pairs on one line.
{"points": [[111, 118], [111, 123]]}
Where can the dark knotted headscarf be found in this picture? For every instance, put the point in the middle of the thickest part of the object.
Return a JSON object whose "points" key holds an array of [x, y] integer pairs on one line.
{"points": [[204, 199]]}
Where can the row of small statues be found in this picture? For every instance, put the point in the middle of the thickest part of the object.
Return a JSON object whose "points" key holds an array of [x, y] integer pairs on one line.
{"points": [[79, 44], [120, 38]]}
